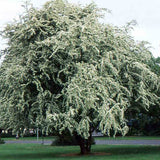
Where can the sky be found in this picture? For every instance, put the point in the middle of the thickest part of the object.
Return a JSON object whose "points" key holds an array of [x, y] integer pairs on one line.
{"points": [[145, 12]]}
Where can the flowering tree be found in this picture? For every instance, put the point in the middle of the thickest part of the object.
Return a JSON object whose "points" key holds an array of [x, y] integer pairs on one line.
{"points": [[64, 70]]}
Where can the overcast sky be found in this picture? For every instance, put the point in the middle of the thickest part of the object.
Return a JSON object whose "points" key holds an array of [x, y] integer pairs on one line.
{"points": [[145, 12]]}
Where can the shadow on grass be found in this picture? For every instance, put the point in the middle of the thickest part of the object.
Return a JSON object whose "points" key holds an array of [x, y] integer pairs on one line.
{"points": [[28, 156], [112, 149], [128, 149]]}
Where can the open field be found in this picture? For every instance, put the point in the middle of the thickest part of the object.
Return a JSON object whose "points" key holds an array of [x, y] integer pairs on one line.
{"points": [[96, 138], [107, 152], [130, 138]]}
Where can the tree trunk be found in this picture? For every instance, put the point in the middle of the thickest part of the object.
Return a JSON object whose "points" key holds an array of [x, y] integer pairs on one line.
{"points": [[85, 144]]}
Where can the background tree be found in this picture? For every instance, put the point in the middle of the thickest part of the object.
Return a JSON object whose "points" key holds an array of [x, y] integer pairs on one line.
{"points": [[142, 121], [66, 71]]}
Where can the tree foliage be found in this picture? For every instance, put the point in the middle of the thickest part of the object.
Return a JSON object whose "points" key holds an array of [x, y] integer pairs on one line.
{"points": [[146, 122], [64, 70]]}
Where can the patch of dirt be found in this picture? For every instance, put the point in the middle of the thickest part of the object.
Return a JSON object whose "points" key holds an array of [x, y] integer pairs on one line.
{"points": [[78, 154]]}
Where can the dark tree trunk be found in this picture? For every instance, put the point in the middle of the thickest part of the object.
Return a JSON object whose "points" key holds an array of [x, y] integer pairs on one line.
{"points": [[85, 144]]}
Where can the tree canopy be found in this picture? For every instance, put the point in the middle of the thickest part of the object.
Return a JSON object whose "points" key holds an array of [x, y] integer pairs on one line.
{"points": [[64, 70]]}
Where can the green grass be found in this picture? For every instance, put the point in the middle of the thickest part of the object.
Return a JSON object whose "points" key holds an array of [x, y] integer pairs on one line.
{"points": [[43, 152], [97, 138], [130, 138]]}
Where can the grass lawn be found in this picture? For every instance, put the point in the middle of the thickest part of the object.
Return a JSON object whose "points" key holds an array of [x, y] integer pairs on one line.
{"points": [[96, 138], [130, 138], [44, 152]]}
